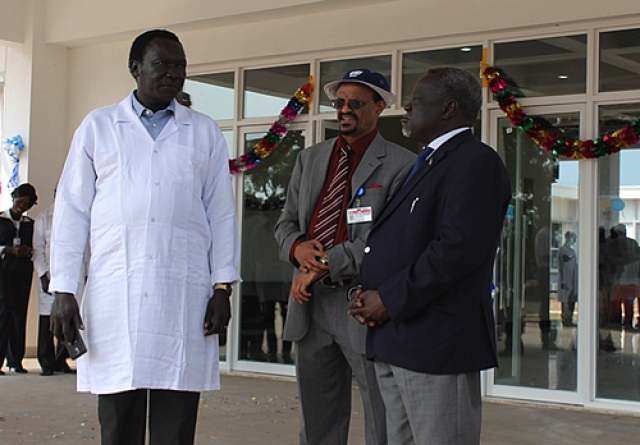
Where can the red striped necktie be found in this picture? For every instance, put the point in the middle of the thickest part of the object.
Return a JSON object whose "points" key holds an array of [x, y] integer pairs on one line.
{"points": [[329, 215]]}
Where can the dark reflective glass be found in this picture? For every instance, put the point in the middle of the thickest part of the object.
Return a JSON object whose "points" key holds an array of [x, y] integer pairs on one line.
{"points": [[266, 281], [544, 67], [618, 207], [536, 272], [619, 60], [415, 65]]}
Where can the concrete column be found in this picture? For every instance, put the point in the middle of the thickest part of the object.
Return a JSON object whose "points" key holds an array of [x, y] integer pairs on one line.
{"points": [[35, 106]]}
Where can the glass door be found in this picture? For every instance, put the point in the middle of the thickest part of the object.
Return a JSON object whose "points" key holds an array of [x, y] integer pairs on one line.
{"points": [[536, 295], [618, 346], [264, 292]]}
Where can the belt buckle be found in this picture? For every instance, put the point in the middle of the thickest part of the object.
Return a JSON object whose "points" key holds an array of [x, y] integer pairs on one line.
{"points": [[326, 282]]}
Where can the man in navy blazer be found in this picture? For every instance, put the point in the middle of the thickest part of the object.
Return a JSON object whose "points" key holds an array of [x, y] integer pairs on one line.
{"points": [[427, 269]]}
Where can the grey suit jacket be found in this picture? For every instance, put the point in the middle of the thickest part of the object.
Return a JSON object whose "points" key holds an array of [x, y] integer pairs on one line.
{"points": [[383, 166]]}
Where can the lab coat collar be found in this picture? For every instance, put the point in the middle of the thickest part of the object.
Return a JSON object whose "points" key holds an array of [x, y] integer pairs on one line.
{"points": [[126, 113]]}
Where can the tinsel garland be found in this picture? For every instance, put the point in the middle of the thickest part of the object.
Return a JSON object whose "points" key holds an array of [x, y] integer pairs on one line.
{"points": [[278, 130], [569, 148]]}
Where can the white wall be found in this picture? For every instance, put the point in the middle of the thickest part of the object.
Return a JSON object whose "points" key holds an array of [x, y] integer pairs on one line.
{"points": [[11, 21], [35, 106], [73, 22], [99, 76]]}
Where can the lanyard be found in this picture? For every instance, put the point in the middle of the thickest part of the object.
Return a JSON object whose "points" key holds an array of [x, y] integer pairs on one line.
{"points": [[16, 224]]}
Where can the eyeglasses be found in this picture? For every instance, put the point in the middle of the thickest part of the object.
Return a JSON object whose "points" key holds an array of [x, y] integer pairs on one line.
{"points": [[352, 104]]}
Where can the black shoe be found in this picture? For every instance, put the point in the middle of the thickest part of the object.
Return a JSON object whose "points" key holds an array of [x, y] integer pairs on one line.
{"points": [[607, 345], [1, 372], [18, 369], [46, 372], [65, 370]]}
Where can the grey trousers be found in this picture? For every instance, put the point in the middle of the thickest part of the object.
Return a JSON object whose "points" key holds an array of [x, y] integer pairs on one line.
{"points": [[325, 364], [430, 409]]}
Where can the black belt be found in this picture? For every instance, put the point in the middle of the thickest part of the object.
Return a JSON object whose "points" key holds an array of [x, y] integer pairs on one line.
{"points": [[326, 282]]}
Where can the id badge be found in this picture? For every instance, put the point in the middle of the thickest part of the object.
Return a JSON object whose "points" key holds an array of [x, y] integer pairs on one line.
{"points": [[16, 241], [359, 215]]}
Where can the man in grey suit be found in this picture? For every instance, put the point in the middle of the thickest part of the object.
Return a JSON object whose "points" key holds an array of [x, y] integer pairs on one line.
{"points": [[330, 345]]}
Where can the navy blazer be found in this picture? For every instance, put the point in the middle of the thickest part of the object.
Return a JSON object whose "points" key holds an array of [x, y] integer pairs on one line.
{"points": [[430, 255]]}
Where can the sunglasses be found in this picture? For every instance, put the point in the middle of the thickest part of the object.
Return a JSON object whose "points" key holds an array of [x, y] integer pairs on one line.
{"points": [[352, 104]]}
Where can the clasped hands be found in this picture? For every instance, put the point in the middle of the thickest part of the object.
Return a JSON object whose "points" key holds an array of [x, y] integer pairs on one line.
{"points": [[19, 251], [308, 255], [367, 307]]}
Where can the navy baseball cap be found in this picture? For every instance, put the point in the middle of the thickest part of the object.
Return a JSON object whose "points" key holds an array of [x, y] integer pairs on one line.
{"points": [[374, 80]]}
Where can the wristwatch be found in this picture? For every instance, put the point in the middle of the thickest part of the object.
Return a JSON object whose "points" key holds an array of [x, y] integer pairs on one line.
{"points": [[223, 286]]}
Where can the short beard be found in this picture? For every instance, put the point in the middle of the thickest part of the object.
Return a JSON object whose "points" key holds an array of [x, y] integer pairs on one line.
{"points": [[346, 132], [406, 131]]}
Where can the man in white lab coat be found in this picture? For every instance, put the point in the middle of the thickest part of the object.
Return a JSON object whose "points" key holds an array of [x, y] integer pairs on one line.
{"points": [[147, 181], [52, 357]]}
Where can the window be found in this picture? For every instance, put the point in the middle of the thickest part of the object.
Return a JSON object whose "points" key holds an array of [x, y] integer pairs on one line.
{"points": [[619, 60], [544, 67], [414, 65], [267, 90], [212, 94]]}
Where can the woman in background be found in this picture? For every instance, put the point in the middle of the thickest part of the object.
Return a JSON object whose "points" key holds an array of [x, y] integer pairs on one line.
{"points": [[16, 273]]}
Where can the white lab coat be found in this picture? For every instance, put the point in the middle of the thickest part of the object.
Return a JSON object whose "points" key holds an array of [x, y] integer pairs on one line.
{"points": [[163, 229], [41, 256]]}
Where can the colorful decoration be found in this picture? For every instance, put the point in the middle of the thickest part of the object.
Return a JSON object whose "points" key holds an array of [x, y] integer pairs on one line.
{"points": [[13, 147], [574, 149], [278, 129]]}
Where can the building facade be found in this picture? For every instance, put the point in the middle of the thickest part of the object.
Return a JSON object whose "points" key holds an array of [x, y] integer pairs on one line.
{"points": [[570, 238]]}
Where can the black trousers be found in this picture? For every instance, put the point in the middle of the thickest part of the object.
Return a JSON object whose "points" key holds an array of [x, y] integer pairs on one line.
{"points": [[52, 354], [172, 417], [15, 287]]}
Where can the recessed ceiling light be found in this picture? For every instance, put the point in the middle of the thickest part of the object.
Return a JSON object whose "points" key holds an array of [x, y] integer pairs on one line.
{"points": [[563, 76], [465, 49]]}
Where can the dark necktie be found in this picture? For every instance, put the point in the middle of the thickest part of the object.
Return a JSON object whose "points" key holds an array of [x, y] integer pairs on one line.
{"points": [[421, 159], [329, 215]]}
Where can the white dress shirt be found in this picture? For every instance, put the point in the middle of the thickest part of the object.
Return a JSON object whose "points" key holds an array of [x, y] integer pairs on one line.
{"points": [[437, 142]]}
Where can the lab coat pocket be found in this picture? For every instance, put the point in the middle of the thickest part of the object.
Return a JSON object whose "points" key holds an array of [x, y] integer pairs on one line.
{"points": [[179, 165]]}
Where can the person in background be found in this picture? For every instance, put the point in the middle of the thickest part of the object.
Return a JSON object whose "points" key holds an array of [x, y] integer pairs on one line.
{"points": [[623, 255], [51, 357], [427, 270], [147, 181], [16, 273], [337, 189], [568, 278]]}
